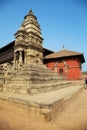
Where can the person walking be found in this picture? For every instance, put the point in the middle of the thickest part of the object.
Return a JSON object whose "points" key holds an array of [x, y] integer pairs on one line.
{"points": [[85, 82]]}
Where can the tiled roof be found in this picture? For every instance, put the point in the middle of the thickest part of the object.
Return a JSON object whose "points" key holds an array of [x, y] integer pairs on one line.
{"points": [[64, 53]]}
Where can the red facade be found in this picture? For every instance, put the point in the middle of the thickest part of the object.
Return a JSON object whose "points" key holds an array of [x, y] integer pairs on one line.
{"points": [[69, 68]]}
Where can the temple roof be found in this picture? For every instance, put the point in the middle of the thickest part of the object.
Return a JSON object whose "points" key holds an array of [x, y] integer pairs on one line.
{"points": [[65, 53], [7, 46], [47, 52]]}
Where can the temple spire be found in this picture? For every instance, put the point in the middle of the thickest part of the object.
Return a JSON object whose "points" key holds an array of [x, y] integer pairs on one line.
{"points": [[28, 43], [31, 12]]}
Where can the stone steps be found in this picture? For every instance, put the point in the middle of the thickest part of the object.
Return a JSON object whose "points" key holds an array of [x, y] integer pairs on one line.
{"points": [[33, 79], [38, 74], [37, 68], [35, 88], [60, 83], [35, 74], [36, 71], [43, 105]]}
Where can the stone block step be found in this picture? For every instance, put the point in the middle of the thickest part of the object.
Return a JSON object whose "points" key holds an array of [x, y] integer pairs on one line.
{"points": [[24, 83], [37, 68], [33, 70], [38, 76], [35, 79], [45, 105], [37, 88], [30, 73], [42, 66]]}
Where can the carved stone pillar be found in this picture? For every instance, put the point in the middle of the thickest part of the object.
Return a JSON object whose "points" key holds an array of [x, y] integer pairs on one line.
{"points": [[14, 58], [25, 57], [20, 57]]}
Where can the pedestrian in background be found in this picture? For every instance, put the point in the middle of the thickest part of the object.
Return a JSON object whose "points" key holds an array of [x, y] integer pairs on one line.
{"points": [[85, 82]]}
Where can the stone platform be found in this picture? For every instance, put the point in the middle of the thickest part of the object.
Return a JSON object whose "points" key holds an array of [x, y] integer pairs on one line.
{"points": [[46, 105], [31, 79]]}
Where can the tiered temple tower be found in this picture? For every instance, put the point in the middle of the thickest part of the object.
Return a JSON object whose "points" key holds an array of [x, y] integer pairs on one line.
{"points": [[28, 43]]}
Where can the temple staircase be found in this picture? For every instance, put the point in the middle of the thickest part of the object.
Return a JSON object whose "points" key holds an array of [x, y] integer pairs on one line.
{"points": [[33, 79]]}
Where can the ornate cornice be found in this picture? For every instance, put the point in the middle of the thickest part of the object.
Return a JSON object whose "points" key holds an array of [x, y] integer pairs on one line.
{"points": [[40, 49]]}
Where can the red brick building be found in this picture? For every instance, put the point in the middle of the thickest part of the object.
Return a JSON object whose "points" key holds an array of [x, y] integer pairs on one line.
{"points": [[66, 63]]}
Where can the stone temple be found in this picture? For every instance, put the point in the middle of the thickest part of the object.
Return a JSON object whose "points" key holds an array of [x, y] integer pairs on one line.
{"points": [[23, 72]]}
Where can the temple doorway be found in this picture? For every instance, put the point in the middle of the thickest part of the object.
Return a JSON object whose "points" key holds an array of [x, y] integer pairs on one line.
{"points": [[61, 71]]}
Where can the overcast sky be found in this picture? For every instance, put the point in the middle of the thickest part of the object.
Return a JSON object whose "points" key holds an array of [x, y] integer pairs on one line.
{"points": [[63, 22]]}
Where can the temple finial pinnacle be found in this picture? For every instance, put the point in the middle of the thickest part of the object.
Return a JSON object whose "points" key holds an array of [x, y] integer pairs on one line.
{"points": [[30, 12], [63, 48]]}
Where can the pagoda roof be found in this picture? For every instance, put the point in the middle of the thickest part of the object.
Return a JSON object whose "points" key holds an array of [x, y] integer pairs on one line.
{"points": [[65, 53]]}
